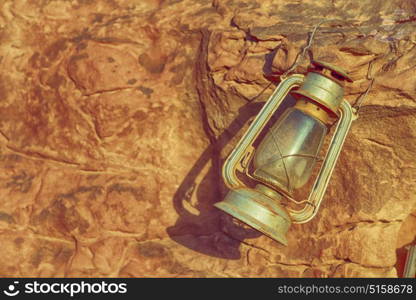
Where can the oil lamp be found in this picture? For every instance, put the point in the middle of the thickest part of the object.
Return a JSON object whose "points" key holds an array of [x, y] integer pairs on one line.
{"points": [[283, 160]]}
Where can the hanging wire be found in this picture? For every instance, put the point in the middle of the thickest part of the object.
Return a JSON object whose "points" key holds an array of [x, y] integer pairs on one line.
{"points": [[303, 52], [301, 55], [360, 99]]}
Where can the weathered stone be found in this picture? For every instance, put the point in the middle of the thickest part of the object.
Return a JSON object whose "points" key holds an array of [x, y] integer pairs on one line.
{"points": [[115, 120]]}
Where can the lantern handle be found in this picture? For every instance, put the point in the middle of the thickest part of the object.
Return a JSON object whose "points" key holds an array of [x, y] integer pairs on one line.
{"points": [[232, 163], [347, 115]]}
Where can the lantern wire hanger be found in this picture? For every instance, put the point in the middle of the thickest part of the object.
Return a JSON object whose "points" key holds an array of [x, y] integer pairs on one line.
{"points": [[301, 55]]}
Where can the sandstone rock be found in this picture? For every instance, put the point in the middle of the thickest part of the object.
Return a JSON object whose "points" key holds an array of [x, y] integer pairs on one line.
{"points": [[406, 235], [117, 115]]}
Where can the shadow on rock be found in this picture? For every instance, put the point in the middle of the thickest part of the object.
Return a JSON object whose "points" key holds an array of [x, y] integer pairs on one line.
{"points": [[200, 226]]}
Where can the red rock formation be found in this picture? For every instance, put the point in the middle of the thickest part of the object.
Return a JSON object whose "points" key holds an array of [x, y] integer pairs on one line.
{"points": [[116, 116]]}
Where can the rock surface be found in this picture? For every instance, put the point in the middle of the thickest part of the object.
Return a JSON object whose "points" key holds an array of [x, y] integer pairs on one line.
{"points": [[116, 116]]}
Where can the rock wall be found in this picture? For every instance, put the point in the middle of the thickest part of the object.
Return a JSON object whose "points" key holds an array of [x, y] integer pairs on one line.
{"points": [[116, 115]]}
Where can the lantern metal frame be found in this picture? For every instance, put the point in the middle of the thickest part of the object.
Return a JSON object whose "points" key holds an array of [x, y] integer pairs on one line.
{"points": [[242, 154]]}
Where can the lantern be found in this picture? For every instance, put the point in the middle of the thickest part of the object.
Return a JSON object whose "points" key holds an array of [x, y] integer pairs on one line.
{"points": [[283, 160]]}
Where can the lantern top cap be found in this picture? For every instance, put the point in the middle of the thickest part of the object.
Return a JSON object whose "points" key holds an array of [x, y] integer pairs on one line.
{"points": [[337, 72]]}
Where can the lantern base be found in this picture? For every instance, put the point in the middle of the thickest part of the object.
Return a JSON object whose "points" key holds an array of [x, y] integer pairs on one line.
{"points": [[258, 211]]}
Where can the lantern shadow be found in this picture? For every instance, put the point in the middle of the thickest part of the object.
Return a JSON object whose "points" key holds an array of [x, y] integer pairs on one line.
{"points": [[211, 231]]}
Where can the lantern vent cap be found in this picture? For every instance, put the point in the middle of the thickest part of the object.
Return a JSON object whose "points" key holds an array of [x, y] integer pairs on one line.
{"points": [[331, 71]]}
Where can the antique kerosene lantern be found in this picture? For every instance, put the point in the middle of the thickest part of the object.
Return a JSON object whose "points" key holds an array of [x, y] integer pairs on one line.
{"points": [[284, 159]]}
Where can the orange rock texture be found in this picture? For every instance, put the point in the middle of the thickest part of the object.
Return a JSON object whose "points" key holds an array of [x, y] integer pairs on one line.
{"points": [[116, 116]]}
